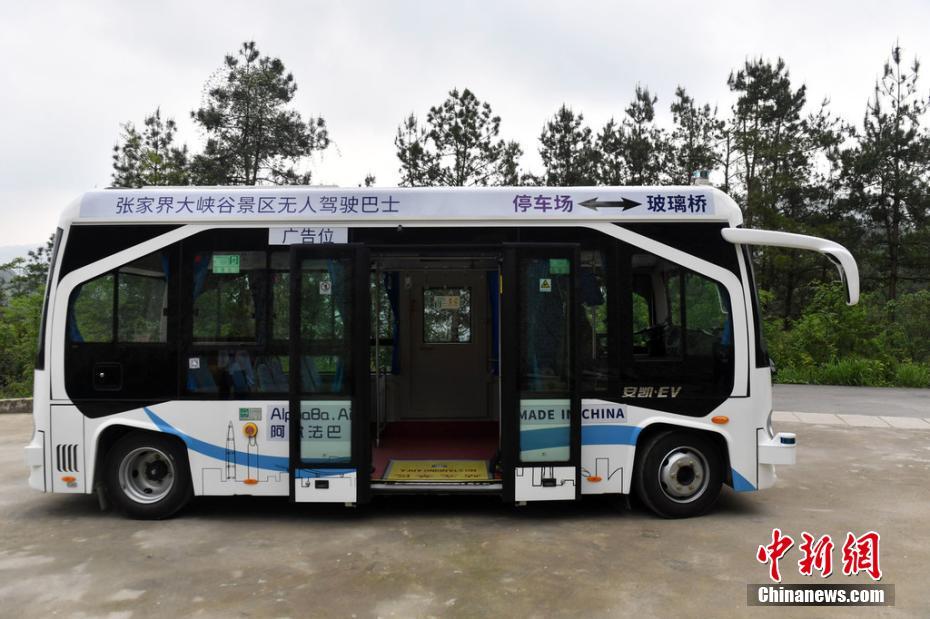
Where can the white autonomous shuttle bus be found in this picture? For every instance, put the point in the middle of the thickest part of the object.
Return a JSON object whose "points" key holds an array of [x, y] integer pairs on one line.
{"points": [[329, 345]]}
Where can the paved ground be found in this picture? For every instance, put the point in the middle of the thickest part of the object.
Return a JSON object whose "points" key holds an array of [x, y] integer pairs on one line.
{"points": [[408, 557], [891, 402]]}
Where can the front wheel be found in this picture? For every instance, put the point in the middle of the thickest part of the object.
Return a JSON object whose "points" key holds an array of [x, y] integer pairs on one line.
{"points": [[147, 476], [679, 474]]}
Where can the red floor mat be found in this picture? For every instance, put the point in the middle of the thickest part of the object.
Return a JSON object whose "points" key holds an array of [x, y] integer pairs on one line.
{"points": [[422, 440]]}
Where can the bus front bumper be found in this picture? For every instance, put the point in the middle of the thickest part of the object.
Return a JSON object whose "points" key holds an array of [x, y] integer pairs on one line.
{"points": [[778, 449], [772, 450]]}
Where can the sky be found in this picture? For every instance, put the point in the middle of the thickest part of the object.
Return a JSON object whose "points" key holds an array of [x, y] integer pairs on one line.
{"points": [[74, 71]]}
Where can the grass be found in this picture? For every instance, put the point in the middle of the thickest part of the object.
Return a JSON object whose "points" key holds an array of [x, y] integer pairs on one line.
{"points": [[857, 372]]}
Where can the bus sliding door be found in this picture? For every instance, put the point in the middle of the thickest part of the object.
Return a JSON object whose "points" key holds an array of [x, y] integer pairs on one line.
{"points": [[540, 403], [329, 373]]}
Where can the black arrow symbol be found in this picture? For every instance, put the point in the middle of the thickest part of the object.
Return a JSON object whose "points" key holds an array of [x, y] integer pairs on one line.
{"points": [[624, 203]]}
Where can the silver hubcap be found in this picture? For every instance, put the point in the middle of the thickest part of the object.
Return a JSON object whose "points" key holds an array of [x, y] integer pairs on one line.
{"points": [[146, 475], [683, 474]]}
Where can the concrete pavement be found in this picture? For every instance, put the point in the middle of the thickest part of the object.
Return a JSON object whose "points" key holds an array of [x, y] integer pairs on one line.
{"points": [[887, 401], [464, 557]]}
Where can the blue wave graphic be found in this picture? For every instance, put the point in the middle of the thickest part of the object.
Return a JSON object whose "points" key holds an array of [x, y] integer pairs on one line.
{"points": [[269, 463], [609, 435]]}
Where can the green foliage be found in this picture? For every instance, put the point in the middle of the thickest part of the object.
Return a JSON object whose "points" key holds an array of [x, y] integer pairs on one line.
{"points": [[833, 343], [19, 328], [855, 372], [912, 375], [886, 174], [567, 152], [631, 152], [692, 145], [458, 146], [21, 299], [150, 158], [910, 314], [252, 135], [27, 274]]}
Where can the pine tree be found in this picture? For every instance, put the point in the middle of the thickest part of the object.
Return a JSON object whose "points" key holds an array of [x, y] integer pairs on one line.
{"points": [[150, 158], [887, 173], [253, 136], [631, 152], [457, 146], [778, 154], [693, 143], [567, 150]]}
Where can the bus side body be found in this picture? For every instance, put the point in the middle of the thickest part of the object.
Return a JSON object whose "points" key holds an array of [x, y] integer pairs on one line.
{"points": [[692, 359]]}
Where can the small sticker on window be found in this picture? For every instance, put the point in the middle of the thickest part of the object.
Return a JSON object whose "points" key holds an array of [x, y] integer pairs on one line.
{"points": [[559, 266], [326, 287], [193, 363], [226, 264], [545, 285], [448, 302]]}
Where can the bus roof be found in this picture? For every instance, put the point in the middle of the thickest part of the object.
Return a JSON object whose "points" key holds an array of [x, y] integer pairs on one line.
{"points": [[302, 205]]}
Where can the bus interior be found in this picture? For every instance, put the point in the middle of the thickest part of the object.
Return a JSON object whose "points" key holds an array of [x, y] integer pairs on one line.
{"points": [[435, 401], [436, 338]]}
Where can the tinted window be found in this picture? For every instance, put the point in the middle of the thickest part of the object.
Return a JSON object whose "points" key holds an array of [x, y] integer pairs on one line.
{"points": [[139, 293], [122, 335], [446, 315], [546, 342], [681, 318], [235, 343], [228, 293], [90, 318], [594, 326], [142, 301]]}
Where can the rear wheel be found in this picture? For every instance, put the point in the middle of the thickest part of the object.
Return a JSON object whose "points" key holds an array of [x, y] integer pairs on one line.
{"points": [[679, 474], [147, 476]]}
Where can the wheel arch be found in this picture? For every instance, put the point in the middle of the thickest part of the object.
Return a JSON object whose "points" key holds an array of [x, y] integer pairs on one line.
{"points": [[652, 430], [108, 437]]}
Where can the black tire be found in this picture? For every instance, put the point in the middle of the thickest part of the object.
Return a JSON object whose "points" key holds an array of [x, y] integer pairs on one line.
{"points": [[693, 465], [147, 475]]}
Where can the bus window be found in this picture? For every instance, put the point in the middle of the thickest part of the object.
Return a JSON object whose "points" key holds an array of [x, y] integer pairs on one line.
{"points": [[708, 315], [545, 360], [446, 315], [672, 291], [656, 300], [142, 301], [227, 287], [280, 281], [121, 320], [593, 345], [90, 317], [324, 325], [682, 318], [140, 292]]}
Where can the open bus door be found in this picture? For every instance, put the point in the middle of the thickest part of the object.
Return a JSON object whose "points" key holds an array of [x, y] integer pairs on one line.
{"points": [[540, 399], [329, 325]]}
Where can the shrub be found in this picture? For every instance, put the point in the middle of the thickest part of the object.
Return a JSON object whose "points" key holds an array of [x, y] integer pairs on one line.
{"points": [[855, 372], [791, 375], [876, 342], [912, 375], [911, 320]]}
